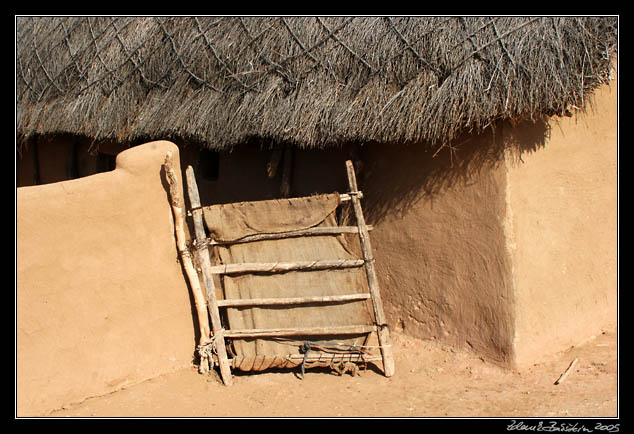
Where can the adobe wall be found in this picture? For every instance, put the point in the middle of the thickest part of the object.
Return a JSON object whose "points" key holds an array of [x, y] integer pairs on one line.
{"points": [[439, 242], [511, 254], [562, 231], [506, 245], [102, 302]]}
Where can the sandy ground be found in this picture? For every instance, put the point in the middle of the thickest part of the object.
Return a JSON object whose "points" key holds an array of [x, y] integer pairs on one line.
{"points": [[431, 381]]}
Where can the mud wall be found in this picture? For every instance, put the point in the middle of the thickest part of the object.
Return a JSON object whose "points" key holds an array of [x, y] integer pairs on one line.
{"points": [[503, 242], [439, 242], [102, 302], [562, 231]]}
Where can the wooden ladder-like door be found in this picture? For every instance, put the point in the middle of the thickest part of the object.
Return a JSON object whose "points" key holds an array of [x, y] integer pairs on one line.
{"points": [[202, 241]]}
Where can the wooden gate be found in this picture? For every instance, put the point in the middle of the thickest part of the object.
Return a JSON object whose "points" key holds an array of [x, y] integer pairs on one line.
{"points": [[252, 330]]}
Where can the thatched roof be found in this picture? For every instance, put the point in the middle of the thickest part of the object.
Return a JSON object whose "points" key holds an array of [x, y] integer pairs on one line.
{"points": [[309, 81]]}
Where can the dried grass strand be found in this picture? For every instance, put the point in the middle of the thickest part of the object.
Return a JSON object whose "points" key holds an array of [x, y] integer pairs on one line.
{"points": [[310, 81]]}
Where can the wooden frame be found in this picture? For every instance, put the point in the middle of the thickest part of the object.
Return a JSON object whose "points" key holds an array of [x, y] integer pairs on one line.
{"points": [[202, 242]]}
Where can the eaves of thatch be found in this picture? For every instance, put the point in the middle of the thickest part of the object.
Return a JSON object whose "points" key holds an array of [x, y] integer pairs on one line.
{"points": [[309, 81]]}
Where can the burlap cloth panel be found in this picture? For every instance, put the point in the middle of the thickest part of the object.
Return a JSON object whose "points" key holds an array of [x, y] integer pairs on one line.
{"points": [[234, 221]]}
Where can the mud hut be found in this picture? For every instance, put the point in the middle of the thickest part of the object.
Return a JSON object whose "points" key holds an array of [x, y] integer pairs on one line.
{"points": [[488, 177]]}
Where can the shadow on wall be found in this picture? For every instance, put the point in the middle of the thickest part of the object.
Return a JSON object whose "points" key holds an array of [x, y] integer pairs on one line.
{"points": [[395, 177]]}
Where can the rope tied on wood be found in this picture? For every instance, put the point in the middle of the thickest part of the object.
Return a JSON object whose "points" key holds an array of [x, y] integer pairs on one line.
{"points": [[208, 351], [329, 347], [185, 255]]}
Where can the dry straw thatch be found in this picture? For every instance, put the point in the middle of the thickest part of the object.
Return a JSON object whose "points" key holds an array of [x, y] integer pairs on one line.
{"points": [[310, 81]]}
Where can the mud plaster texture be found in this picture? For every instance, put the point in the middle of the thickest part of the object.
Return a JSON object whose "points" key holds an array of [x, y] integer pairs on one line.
{"points": [[101, 300], [504, 243], [562, 232], [440, 247]]}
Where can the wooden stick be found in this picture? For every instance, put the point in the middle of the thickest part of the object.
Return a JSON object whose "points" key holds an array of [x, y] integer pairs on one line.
{"points": [[276, 267], [272, 165], [317, 230], [186, 258], [337, 357], [300, 331], [563, 376], [205, 263], [344, 197], [291, 300], [364, 238], [290, 360], [287, 167]]}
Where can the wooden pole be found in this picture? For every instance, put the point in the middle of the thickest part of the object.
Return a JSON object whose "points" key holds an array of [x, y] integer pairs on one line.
{"points": [[186, 259], [291, 300], [277, 267], [205, 263], [287, 167], [364, 237], [336, 357], [314, 231], [563, 376], [301, 331], [272, 165], [344, 197], [314, 358]]}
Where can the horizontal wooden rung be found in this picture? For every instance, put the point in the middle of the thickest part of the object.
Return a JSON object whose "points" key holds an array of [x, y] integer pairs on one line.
{"points": [[317, 230], [300, 331], [344, 197], [336, 357], [312, 358], [291, 300], [273, 267]]}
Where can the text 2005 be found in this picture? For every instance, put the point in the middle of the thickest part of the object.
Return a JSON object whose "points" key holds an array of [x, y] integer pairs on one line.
{"points": [[607, 428]]}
